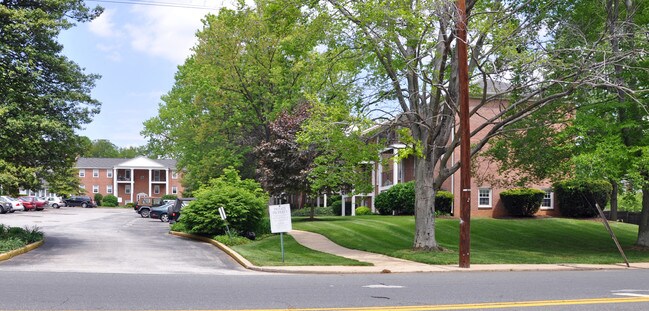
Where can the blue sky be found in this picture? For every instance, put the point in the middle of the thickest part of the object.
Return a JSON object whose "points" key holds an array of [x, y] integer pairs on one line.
{"points": [[136, 49]]}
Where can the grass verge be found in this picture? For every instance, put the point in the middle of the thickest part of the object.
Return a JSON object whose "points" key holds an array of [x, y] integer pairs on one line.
{"points": [[493, 241], [12, 238], [267, 252]]}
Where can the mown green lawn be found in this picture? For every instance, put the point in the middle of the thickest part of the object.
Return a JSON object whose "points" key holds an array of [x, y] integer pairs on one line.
{"points": [[267, 252], [516, 241]]}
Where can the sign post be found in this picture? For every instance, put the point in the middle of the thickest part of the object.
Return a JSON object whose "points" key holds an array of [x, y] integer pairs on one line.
{"points": [[280, 222], [224, 217]]}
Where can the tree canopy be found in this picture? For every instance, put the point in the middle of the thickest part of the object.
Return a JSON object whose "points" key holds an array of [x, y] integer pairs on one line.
{"points": [[44, 96]]}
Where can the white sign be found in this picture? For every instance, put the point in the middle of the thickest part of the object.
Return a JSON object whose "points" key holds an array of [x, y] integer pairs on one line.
{"points": [[280, 218], [222, 212]]}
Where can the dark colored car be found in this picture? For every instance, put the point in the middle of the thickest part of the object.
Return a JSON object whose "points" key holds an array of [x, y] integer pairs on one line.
{"points": [[161, 212], [32, 203], [144, 205], [174, 210], [7, 207], [80, 200]]}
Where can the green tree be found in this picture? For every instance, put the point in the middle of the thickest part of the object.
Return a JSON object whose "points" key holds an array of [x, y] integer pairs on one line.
{"points": [[409, 49], [249, 65], [102, 148], [44, 97]]}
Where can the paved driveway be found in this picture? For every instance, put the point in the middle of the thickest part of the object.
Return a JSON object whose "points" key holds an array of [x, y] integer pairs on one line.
{"points": [[104, 240]]}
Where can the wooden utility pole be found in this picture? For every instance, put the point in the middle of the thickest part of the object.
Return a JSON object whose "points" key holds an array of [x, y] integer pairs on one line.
{"points": [[465, 144]]}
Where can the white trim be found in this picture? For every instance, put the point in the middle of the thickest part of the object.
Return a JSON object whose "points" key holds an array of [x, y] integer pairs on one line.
{"points": [[82, 172], [551, 194], [490, 197], [109, 189], [174, 190], [109, 173], [95, 173], [95, 188]]}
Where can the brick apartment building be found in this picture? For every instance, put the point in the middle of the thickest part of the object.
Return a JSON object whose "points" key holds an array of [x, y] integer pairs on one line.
{"points": [[485, 191], [129, 179]]}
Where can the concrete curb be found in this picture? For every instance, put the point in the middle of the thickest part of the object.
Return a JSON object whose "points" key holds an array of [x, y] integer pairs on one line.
{"points": [[22, 250], [401, 267]]}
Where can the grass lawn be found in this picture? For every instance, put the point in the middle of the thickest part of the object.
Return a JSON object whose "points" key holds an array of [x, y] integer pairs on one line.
{"points": [[516, 241], [267, 252]]}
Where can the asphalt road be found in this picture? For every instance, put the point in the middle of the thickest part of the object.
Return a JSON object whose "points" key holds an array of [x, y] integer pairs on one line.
{"points": [[110, 259], [100, 240]]}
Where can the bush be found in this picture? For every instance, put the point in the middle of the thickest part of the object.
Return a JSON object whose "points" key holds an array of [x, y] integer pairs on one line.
{"points": [[169, 197], [130, 205], [443, 202], [98, 198], [398, 200], [234, 241], [243, 200], [12, 238], [336, 207], [522, 201], [363, 210], [109, 201], [576, 198], [319, 211]]}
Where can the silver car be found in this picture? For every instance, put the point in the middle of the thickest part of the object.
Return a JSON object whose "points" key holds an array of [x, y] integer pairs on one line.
{"points": [[55, 202]]}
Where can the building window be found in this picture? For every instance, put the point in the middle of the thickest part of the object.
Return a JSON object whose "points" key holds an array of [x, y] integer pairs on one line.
{"points": [[127, 189], [109, 173], [95, 188], [174, 175], [109, 189], [547, 200], [174, 190], [156, 189], [82, 173], [156, 175], [82, 186], [484, 197], [95, 173]]}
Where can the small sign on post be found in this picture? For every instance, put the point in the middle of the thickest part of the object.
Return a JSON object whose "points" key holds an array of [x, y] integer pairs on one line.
{"points": [[224, 217], [280, 221]]}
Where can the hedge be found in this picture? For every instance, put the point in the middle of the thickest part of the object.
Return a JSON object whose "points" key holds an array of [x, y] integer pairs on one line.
{"points": [[577, 197], [524, 202]]}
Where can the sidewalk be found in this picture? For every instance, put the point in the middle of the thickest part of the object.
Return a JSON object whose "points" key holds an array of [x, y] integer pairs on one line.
{"points": [[386, 264]]}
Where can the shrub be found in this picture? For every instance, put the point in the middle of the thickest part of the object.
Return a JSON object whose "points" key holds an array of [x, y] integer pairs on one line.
{"points": [[169, 197], [398, 200], [443, 202], [576, 197], [130, 205], [98, 198], [336, 207], [319, 211], [522, 201], [243, 200], [363, 210], [109, 201], [235, 240]]}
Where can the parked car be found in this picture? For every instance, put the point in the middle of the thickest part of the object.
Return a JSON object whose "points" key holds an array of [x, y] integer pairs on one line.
{"points": [[80, 200], [7, 207], [17, 204], [144, 205], [161, 212], [174, 210], [32, 203], [55, 202]]}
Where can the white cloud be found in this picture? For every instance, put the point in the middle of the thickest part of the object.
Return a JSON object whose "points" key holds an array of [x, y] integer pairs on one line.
{"points": [[104, 26], [165, 32]]}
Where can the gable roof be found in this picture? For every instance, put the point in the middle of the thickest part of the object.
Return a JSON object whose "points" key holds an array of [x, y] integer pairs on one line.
{"points": [[138, 163]]}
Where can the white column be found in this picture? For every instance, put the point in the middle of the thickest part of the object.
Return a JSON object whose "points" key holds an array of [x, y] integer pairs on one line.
{"points": [[395, 169], [342, 211], [318, 201], [115, 182], [354, 205], [167, 179], [132, 180], [150, 181], [325, 200]]}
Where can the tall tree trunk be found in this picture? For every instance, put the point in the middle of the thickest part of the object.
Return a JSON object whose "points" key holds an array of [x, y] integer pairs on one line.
{"points": [[615, 186], [424, 205], [643, 228]]}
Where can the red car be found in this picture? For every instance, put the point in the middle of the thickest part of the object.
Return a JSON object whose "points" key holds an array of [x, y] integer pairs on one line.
{"points": [[32, 203]]}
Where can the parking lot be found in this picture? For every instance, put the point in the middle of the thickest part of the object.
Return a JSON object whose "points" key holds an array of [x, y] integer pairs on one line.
{"points": [[112, 240]]}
